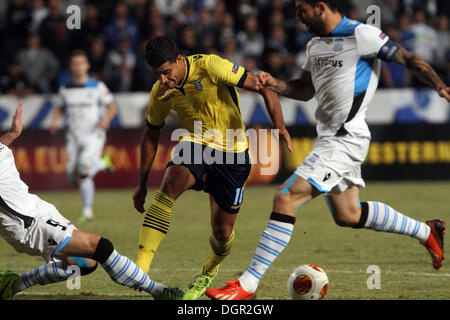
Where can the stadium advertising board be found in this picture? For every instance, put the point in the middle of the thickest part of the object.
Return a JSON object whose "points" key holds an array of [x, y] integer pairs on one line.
{"points": [[403, 152], [410, 139], [397, 152]]}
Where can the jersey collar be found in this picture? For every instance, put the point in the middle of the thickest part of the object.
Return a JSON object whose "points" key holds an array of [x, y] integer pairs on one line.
{"points": [[345, 28], [188, 69]]}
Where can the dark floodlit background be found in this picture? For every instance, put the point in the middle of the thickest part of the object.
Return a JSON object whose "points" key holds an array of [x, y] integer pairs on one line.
{"points": [[259, 34]]}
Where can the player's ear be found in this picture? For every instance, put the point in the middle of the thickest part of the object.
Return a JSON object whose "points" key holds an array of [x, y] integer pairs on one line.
{"points": [[180, 59], [320, 8]]}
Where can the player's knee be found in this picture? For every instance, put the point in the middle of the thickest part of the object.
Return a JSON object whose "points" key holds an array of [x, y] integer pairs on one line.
{"points": [[171, 194], [169, 191], [346, 218], [222, 232], [282, 198], [91, 244]]}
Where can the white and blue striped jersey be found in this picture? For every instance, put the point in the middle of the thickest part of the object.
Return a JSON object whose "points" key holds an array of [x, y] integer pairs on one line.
{"points": [[345, 70], [83, 103]]}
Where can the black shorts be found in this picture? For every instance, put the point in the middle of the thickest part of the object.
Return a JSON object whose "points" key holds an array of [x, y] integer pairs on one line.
{"points": [[221, 174]]}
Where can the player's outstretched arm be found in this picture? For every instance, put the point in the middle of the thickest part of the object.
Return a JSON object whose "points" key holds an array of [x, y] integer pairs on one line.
{"points": [[422, 70], [16, 127], [298, 89], [273, 106], [149, 146]]}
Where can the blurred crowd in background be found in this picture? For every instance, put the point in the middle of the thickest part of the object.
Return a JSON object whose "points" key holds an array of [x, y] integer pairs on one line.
{"points": [[258, 34]]}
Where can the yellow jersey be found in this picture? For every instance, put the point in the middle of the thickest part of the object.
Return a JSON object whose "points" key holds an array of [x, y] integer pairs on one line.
{"points": [[206, 101]]}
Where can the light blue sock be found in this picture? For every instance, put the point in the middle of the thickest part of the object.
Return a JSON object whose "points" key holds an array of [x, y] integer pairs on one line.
{"points": [[126, 273], [273, 240], [381, 217]]}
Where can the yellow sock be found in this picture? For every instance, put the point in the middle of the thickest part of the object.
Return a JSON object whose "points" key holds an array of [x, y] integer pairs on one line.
{"points": [[154, 229], [218, 252]]}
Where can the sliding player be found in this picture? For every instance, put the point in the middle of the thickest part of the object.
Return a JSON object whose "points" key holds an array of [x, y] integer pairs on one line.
{"points": [[36, 227], [341, 71]]}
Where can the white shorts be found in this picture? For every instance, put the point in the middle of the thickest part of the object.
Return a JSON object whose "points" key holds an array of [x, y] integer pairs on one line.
{"points": [[335, 163], [42, 235], [84, 151]]}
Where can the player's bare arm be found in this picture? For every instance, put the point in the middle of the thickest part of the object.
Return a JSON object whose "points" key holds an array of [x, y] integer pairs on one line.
{"points": [[273, 106], [111, 112], [422, 70], [299, 89], [16, 127], [57, 115], [149, 146]]}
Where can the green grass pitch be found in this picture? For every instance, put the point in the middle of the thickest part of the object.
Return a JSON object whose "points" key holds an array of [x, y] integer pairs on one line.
{"points": [[345, 254]]}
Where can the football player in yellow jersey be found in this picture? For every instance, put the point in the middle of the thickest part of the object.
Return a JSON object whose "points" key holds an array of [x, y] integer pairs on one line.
{"points": [[202, 90]]}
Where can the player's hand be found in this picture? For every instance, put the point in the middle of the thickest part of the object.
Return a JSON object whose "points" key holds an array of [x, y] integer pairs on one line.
{"points": [[16, 125], [445, 93], [287, 138], [139, 198], [265, 79]]}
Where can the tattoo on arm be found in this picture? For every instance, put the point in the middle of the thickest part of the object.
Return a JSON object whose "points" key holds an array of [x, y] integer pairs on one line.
{"points": [[282, 87], [419, 67], [299, 89]]}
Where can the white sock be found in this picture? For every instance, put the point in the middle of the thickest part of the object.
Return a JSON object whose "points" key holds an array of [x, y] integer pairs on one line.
{"points": [[381, 217], [274, 239], [87, 192]]}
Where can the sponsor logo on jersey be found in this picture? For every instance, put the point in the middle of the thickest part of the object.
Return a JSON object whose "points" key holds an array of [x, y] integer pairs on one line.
{"points": [[235, 69], [321, 62], [383, 36]]}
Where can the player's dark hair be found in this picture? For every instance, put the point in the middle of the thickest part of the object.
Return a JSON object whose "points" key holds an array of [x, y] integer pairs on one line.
{"points": [[160, 50], [78, 52], [332, 4]]}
